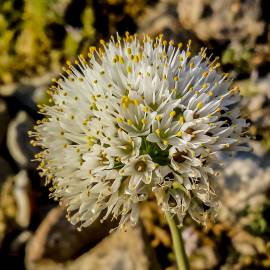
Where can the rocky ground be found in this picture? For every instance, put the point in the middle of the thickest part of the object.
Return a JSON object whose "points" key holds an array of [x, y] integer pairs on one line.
{"points": [[34, 233]]}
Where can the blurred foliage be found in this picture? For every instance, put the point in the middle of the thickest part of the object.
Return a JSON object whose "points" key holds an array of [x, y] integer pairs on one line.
{"points": [[38, 35], [240, 61]]}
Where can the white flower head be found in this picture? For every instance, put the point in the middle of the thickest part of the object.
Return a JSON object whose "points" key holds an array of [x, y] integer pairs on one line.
{"points": [[133, 119]]}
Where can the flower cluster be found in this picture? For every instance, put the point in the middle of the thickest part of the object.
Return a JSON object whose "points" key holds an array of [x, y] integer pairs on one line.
{"points": [[137, 119]]}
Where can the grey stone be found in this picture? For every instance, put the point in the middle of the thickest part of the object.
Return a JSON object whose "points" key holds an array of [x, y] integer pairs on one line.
{"points": [[243, 178], [58, 240], [58, 245], [25, 92], [222, 20], [18, 142], [22, 197]]}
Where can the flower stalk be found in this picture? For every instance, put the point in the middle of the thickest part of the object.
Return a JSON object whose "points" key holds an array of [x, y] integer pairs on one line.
{"points": [[178, 244]]}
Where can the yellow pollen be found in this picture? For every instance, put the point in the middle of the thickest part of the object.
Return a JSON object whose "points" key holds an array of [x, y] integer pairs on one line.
{"points": [[157, 131], [205, 74], [129, 50], [204, 86], [175, 78], [179, 133], [136, 59], [129, 122], [145, 109], [180, 45], [172, 114], [158, 117], [164, 42], [125, 101], [144, 121], [119, 120], [188, 54], [121, 60], [181, 120], [210, 94], [199, 105], [180, 58], [191, 65], [135, 102], [129, 69], [165, 142]]}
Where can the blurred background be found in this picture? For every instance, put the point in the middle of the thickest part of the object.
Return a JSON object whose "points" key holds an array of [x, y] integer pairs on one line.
{"points": [[36, 38]]}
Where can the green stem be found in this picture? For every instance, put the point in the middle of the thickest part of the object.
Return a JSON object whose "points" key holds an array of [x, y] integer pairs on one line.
{"points": [[178, 244]]}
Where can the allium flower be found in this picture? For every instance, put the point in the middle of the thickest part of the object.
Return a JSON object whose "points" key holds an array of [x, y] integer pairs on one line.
{"points": [[137, 119]]}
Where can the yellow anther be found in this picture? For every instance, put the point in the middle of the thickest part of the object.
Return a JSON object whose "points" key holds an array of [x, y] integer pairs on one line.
{"points": [[205, 74], [172, 114], [180, 58], [180, 45], [197, 93], [92, 49], [171, 42], [135, 102], [121, 60], [125, 101], [175, 78], [191, 65], [136, 59], [119, 120], [164, 42], [144, 121], [181, 119], [115, 59], [179, 133], [145, 109], [188, 53], [158, 117], [102, 42], [204, 86], [210, 94], [129, 122], [199, 105], [165, 142], [129, 50], [68, 63], [157, 131], [129, 69]]}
